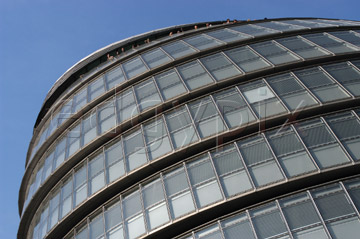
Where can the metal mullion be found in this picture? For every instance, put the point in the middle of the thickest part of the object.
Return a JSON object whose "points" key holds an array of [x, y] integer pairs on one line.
{"points": [[251, 223], [158, 90], [315, 44], [319, 214], [221, 230], [162, 50], [232, 62], [216, 176], [219, 112], [283, 218], [261, 56], [143, 61], [305, 87], [343, 41], [276, 95], [123, 71], [124, 156], [105, 169], [350, 200], [166, 197], [167, 131], [337, 139], [207, 71], [247, 103], [122, 216], [274, 156], [190, 186], [245, 166], [194, 48], [305, 147], [135, 100], [336, 82], [193, 122], [103, 217], [181, 79], [353, 65], [143, 209], [145, 145], [288, 50], [356, 115]]}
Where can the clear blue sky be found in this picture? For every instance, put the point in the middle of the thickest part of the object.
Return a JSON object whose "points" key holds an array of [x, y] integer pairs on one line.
{"points": [[41, 39]]}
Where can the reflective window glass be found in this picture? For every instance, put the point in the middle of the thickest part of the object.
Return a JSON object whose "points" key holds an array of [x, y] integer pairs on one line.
{"points": [[79, 100], [96, 88], [134, 67], [170, 84], [135, 152], [347, 128], [302, 47], [126, 106], [114, 161], [96, 227], [73, 140], [220, 67], [280, 26], [114, 77], [346, 75], [106, 116], [262, 100], [292, 93], [59, 152], [330, 43], [205, 186], [321, 85], [321, 144], [178, 192], [254, 30], [54, 209], [66, 199], [65, 112], [230, 169], [82, 233], [348, 36], [180, 127], [157, 140], [274, 52], [194, 75], [290, 152], [238, 225], [202, 42], [133, 216], [96, 173], [88, 130], [155, 58], [80, 185], [307, 23], [260, 161], [48, 165], [212, 232], [246, 59], [206, 117], [233, 108], [147, 94], [353, 188], [178, 49], [227, 35], [112, 216]]}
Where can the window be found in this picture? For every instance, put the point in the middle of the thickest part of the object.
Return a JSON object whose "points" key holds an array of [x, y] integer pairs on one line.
{"points": [[88, 130], [194, 75], [227, 35], [113, 219], [155, 58], [106, 116], [133, 216], [134, 148], [147, 94], [79, 101], [126, 106], [220, 67], [96, 173], [254, 30], [202, 42], [114, 77], [73, 140], [80, 185], [178, 49], [114, 161], [134, 67], [170, 84], [95, 89], [348, 36], [280, 26], [330, 43]]}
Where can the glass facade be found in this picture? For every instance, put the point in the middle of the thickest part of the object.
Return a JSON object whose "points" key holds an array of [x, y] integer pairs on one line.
{"points": [[182, 126]]}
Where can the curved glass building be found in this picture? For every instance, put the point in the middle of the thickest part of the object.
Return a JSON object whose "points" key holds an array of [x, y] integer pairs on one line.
{"points": [[238, 129]]}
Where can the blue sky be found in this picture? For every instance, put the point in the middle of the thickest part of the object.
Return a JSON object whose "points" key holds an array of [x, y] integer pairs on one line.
{"points": [[41, 39]]}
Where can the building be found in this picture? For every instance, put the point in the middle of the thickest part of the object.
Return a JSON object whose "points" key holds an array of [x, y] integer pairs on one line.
{"points": [[245, 129]]}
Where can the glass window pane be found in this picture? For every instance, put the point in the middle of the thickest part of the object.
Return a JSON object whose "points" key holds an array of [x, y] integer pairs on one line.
{"points": [[96, 227], [301, 47], [112, 216], [80, 186], [134, 150], [147, 94], [157, 216], [194, 75], [220, 67], [330, 43], [227, 35], [178, 49], [155, 58], [246, 59], [116, 233], [65, 112], [212, 232], [347, 228], [131, 205], [202, 42], [181, 204], [96, 174], [206, 117], [95, 89], [126, 106], [254, 30], [181, 130], [114, 77], [89, 131], [82, 233], [291, 92], [170, 84], [274, 53], [260, 161], [233, 108], [73, 140], [238, 225], [348, 36], [175, 181], [152, 193], [114, 162], [135, 227], [346, 75], [106, 116], [59, 152], [307, 23], [134, 67], [280, 26], [321, 85], [79, 100]]}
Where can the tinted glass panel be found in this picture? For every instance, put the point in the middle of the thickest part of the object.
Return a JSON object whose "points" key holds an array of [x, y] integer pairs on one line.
{"points": [[202, 42], [194, 75], [220, 67], [155, 58], [134, 67], [330, 43], [147, 94], [170, 84], [178, 49]]}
